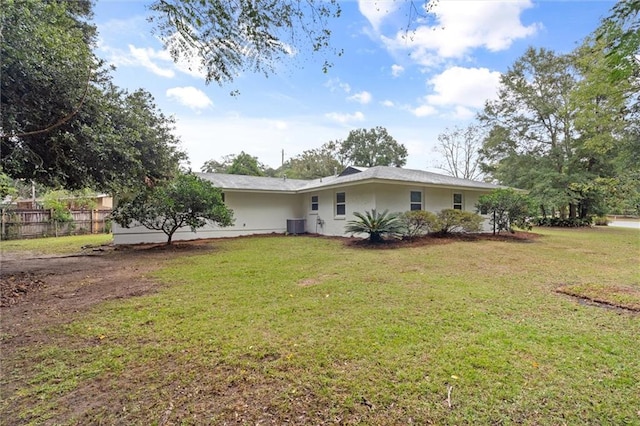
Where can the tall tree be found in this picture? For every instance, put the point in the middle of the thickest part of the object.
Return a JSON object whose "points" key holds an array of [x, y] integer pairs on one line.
{"points": [[460, 149], [619, 37], [604, 120], [313, 163], [245, 164], [374, 147], [240, 164], [63, 122], [47, 53], [558, 129], [215, 166], [531, 141]]}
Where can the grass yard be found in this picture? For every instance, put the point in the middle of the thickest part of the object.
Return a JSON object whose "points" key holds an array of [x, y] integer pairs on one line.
{"points": [[305, 330], [54, 245]]}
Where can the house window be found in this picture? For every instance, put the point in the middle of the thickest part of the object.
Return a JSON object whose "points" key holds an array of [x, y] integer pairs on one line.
{"points": [[341, 204], [457, 201], [314, 203], [416, 200]]}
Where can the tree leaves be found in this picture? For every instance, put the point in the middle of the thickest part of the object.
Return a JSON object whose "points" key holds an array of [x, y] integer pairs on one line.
{"points": [[374, 147], [226, 38], [558, 127], [64, 124], [186, 201]]}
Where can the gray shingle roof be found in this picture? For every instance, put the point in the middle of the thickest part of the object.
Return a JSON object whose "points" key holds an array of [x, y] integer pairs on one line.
{"points": [[253, 183], [372, 174]]}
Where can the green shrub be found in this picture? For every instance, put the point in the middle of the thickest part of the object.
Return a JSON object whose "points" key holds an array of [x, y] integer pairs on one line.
{"points": [[453, 221], [600, 221], [419, 222], [562, 222], [377, 225]]}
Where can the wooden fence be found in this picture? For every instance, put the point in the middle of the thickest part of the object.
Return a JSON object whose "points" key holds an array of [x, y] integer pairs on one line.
{"points": [[21, 224]]}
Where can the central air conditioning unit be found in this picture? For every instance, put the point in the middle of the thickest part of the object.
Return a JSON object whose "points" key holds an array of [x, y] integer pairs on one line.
{"points": [[295, 226]]}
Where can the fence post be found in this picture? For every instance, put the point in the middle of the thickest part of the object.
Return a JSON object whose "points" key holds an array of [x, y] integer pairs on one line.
{"points": [[2, 227], [55, 222]]}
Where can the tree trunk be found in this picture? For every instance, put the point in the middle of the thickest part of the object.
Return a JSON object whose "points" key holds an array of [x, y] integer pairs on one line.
{"points": [[494, 222], [584, 209], [572, 211]]}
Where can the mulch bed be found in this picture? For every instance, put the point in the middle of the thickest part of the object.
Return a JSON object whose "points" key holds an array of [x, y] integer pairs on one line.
{"points": [[434, 239]]}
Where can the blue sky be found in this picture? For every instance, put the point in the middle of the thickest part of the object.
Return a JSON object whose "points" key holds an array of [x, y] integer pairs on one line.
{"points": [[415, 88]]}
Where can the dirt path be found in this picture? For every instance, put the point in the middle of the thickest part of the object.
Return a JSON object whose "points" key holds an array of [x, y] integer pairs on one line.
{"points": [[42, 291]]}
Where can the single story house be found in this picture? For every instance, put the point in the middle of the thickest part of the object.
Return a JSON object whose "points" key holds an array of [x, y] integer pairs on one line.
{"points": [[264, 205]]}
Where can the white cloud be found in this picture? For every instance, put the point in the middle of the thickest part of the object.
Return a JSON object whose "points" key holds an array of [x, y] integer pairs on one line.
{"points": [[468, 87], [377, 11], [463, 113], [145, 57], [335, 84], [157, 60], [387, 103], [396, 70], [190, 96], [463, 25], [423, 111], [459, 90], [363, 97], [344, 118]]}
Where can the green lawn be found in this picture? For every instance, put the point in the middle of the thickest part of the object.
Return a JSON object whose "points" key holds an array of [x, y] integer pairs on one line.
{"points": [[309, 331], [54, 245]]}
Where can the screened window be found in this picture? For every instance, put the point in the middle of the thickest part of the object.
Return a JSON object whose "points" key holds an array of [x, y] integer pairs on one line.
{"points": [[314, 203], [341, 204], [457, 201], [416, 200]]}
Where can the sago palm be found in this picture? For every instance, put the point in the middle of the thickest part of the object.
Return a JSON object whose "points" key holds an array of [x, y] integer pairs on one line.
{"points": [[377, 225]]}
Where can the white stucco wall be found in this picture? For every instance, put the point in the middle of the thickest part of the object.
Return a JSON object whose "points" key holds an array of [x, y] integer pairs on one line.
{"points": [[254, 213], [395, 198]]}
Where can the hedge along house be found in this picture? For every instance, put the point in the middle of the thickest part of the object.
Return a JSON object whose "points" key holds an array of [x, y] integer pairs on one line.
{"points": [[264, 205]]}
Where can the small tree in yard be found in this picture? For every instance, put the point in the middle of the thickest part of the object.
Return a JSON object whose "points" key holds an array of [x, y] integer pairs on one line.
{"points": [[57, 201], [377, 225], [452, 221], [186, 200], [507, 208]]}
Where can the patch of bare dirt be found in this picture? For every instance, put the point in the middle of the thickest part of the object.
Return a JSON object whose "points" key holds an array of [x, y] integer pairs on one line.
{"points": [[37, 291], [603, 301]]}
